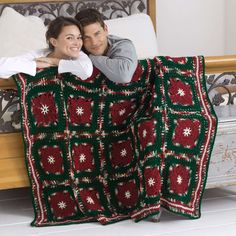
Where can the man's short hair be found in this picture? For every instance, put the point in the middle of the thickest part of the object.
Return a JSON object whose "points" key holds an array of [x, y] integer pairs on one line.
{"points": [[90, 16]]}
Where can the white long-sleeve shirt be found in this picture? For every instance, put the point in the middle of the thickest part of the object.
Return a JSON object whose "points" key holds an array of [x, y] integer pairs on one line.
{"points": [[81, 67]]}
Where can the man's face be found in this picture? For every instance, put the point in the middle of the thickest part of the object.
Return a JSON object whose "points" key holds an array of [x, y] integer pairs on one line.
{"points": [[95, 39]]}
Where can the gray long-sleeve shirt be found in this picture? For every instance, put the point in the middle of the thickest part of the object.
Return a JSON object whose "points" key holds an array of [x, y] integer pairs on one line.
{"points": [[120, 61]]}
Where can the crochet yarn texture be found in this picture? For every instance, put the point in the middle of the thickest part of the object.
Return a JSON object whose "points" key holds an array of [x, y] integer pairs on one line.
{"points": [[101, 151]]}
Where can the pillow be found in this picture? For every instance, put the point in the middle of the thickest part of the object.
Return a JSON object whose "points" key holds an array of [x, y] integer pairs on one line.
{"points": [[140, 30], [20, 34]]}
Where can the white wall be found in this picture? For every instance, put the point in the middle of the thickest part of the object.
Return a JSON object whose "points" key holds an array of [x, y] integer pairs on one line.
{"points": [[191, 27], [230, 27]]}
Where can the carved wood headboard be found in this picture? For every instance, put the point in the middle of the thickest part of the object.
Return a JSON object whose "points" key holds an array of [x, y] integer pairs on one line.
{"points": [[49, 9]]}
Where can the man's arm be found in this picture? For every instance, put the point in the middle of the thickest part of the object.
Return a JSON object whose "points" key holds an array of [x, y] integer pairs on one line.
{"points": [[120, 63]]}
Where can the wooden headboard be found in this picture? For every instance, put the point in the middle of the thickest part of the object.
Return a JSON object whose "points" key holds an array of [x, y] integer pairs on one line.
{"points": [[12, 166]]}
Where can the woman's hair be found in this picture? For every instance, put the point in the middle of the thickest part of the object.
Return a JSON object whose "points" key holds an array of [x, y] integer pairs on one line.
{"points": [[89, 16], [55, 27]]}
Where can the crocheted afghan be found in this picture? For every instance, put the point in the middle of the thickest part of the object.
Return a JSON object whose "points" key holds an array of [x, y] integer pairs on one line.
{"points": [[101, 151]]}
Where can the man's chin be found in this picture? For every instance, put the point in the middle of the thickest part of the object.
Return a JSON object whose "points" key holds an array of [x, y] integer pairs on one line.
{"points": [[96, 53]]}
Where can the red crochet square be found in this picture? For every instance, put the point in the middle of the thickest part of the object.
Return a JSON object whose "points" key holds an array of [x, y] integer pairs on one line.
{"points": [[44, 109], [83, 157], [80, 110], [51, 159]]}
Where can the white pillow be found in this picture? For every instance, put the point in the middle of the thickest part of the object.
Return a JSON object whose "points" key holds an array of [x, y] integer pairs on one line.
{"points": [[20, 34], [139, 29]]}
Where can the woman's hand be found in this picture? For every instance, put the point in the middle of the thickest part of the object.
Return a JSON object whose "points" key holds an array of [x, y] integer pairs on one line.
{"points": [[45, 62]]}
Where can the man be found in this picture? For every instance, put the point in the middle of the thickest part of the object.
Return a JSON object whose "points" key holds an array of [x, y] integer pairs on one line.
{"points": [[113, 56]]}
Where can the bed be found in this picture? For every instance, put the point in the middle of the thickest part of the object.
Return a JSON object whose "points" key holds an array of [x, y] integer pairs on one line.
{"points": [[220, 77]]}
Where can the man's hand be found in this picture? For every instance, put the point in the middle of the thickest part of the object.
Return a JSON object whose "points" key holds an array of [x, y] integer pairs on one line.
{"points": [[45, 62]]}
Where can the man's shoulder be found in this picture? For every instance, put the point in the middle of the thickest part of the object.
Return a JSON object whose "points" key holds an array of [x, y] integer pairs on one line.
{"points": [[119, 45], [116, 39]]}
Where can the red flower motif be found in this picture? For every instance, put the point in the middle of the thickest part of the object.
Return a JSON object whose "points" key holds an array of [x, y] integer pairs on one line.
{"points": [[122, 153], [44, 109], [127, 193], [62, 205], [152, 181], [179, 177], [51, 159], [90, 198], [121, 111], [80, 110], [82, 155], [186, 132], [180, 93], [147, 133]]}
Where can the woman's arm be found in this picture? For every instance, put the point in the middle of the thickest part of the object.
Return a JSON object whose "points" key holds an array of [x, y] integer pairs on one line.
{"points": [[24, 63], [81, 67], [27, 63], [13, 65]]}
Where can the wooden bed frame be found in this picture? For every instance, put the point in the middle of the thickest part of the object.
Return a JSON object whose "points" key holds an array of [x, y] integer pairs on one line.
{"points": [[13, 172]]}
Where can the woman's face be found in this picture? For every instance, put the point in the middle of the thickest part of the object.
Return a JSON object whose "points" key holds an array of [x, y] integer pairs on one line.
{"points": [[68, 43]]}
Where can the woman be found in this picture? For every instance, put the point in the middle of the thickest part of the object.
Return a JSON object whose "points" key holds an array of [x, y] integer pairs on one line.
{"points": [[65, 41]]}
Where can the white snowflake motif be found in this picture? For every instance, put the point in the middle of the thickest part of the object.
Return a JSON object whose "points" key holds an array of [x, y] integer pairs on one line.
{"points": [[79, 111], [179, 179], [44, 109], [89, 200], [144, 133], [51, 160], [123, 152], [181, 92], [122, 112], [127, 195], [187, 131], [151, 182], [61, 205], [82, 158]]}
